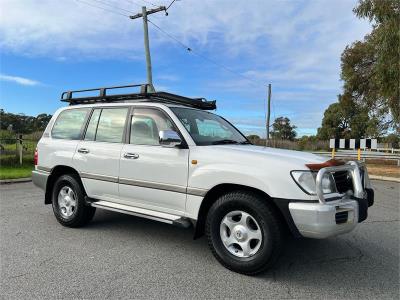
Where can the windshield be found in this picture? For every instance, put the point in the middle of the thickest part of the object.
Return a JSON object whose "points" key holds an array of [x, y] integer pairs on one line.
{"points": [[208, 129]]}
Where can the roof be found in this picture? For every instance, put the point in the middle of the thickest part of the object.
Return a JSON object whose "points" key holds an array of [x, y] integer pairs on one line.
{"points": [[145, 95]]}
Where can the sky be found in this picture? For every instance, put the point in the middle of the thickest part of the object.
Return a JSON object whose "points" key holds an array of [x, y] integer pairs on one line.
{"points": [[238, 48]]}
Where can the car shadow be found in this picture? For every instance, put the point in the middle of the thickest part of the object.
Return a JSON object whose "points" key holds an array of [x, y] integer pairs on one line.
{"points": [[304, 262]]}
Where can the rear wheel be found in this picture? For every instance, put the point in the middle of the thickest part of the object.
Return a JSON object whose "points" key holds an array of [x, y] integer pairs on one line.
{"points": [[244, 233], [68, 200]]}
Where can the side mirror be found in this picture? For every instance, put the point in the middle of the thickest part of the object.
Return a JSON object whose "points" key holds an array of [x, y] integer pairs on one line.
{"points": [[169, 138]]}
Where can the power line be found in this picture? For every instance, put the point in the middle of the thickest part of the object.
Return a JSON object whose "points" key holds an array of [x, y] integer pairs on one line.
{"points": [[173, 1], [112, 6], [188, 48], [148, 2], [134, 2], [103, 8]]}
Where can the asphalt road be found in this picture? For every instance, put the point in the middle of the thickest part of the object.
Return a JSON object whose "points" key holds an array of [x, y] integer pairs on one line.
{"points": [[120, 256]]}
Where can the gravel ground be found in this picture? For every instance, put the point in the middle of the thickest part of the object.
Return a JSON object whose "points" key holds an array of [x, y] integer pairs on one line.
{"points": [[121, 256]]}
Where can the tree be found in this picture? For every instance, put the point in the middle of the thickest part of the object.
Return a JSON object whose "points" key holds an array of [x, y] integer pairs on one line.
{"points": [[347, 119], [339, 118], [41, 122], [282, 129], [371, 68], [21, 123]]}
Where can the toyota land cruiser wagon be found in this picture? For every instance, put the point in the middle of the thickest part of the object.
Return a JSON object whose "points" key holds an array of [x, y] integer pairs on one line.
{"points": [[168, 158]]}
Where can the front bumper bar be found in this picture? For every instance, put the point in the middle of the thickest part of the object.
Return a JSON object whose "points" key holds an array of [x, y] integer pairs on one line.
{"points": [[333, 214]]}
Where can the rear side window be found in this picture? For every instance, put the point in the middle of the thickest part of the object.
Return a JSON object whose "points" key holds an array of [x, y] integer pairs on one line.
{"points": [[111, 124], [69, 124], [92, 127]]}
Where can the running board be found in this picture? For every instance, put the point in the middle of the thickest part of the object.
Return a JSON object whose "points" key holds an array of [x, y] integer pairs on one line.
{"points": [[142, 212]]}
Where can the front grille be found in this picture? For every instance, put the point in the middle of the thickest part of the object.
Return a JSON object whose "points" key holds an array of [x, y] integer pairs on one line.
{"points": [[343, 181], [342, 217]]}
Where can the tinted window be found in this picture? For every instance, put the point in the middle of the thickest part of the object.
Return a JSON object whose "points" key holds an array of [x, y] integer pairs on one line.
{"points": [[146, 125], [92, 127], [69, 124], [111, 125]]}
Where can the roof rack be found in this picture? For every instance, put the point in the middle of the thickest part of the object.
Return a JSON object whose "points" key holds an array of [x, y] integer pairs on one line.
{"points": [[144, 95]]}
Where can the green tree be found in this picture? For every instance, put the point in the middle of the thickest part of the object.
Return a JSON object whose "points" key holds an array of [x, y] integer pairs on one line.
{"points": [[41, 122], [21, 123], [282, 129], [371, 68], [347, 119]]}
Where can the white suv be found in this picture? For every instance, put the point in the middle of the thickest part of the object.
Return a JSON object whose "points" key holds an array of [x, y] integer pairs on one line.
{"points": [[165, 157]]}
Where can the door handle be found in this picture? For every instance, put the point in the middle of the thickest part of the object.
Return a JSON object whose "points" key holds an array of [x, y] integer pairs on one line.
{"points": [[83, 150], [131, 155]]}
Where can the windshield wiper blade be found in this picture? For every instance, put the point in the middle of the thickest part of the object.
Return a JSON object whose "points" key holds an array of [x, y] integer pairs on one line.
{"points": [[221, 142], [245, 143]]}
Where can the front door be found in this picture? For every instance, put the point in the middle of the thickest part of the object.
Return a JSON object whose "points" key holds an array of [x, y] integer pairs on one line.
{"points": [[152, 176], [97, 156]]}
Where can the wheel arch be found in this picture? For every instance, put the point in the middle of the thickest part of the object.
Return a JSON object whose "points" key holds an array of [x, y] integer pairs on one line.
{"points": [[56, 172], [217, 191]]}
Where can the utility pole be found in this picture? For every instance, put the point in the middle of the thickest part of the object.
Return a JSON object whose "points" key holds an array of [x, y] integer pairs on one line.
{"points": [[144, 15], [268, 114]]}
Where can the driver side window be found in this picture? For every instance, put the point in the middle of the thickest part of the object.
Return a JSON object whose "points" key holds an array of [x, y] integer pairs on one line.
{"points": [[146, 124]]}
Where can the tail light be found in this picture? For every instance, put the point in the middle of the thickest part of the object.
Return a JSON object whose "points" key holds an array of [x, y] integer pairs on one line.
{"points": [[36, 157]]}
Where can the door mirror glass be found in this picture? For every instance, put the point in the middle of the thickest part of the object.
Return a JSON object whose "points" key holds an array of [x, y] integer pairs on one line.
{"points": [[169, 138]]}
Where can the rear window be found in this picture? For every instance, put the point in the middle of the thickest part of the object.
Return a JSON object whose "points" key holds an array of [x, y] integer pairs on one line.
{"points": [[69, 124]]}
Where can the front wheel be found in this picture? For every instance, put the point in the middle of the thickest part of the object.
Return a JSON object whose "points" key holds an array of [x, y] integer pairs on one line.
{"points": [[244, 233], [68, 200]]}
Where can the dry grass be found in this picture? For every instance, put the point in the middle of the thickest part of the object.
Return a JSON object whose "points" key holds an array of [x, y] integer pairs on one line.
{"points": [[383, 170]]}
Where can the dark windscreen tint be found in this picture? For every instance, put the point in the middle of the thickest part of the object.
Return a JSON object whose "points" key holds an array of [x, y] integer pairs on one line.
{"points": [[69, 124], [208, 129]]}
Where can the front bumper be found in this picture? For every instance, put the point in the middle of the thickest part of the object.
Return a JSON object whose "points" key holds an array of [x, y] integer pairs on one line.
{"points": [[334, 214], [315, 220], [39, 178]]}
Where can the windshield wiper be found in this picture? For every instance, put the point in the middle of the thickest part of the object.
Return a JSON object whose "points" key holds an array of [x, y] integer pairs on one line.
{"points": [[222, 142]]}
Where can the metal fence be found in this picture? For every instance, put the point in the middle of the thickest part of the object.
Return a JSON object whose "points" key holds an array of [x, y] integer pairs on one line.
{"points": [[301, 145]]}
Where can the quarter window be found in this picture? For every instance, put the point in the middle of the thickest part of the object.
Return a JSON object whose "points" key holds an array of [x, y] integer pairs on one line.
{"points": [[69, 124], [111, 125], [146, 125]]}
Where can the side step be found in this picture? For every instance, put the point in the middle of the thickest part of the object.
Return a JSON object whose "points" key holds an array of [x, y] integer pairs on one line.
{"points": [[142, 212]]}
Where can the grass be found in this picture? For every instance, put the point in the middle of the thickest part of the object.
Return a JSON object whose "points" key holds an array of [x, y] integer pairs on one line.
{"points": [[24, 171], [11, 169], [383, 170]]}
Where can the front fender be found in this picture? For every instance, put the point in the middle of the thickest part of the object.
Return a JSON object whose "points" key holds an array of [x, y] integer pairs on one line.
{"points": [[274, 183]]}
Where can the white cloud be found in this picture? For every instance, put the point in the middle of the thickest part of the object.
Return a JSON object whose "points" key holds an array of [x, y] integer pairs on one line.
{"points": [[19, 80], [295, 45], [70, 27]]}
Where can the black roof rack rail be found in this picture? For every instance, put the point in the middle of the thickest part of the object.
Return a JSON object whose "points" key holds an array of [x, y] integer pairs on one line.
{"points": [[144, 95]]}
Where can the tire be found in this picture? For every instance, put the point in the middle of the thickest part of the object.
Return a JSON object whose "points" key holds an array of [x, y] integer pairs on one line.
{"points": [[262, 222], [70, 210]]}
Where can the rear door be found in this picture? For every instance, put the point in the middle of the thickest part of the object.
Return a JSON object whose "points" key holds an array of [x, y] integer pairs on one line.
{"points": [[58, 145], [152, 176], [98, 153]]}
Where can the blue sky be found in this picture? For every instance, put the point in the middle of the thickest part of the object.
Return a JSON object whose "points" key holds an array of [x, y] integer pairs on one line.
{"points": [[49, 46]]}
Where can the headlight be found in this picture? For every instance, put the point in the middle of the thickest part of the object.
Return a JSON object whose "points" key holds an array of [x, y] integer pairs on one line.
{"points": [[306, 181]]}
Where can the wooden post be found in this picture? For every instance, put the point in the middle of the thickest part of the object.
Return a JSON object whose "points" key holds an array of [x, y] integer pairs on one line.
{"points": [[333, 152], [359, 154], [20, 149]]}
